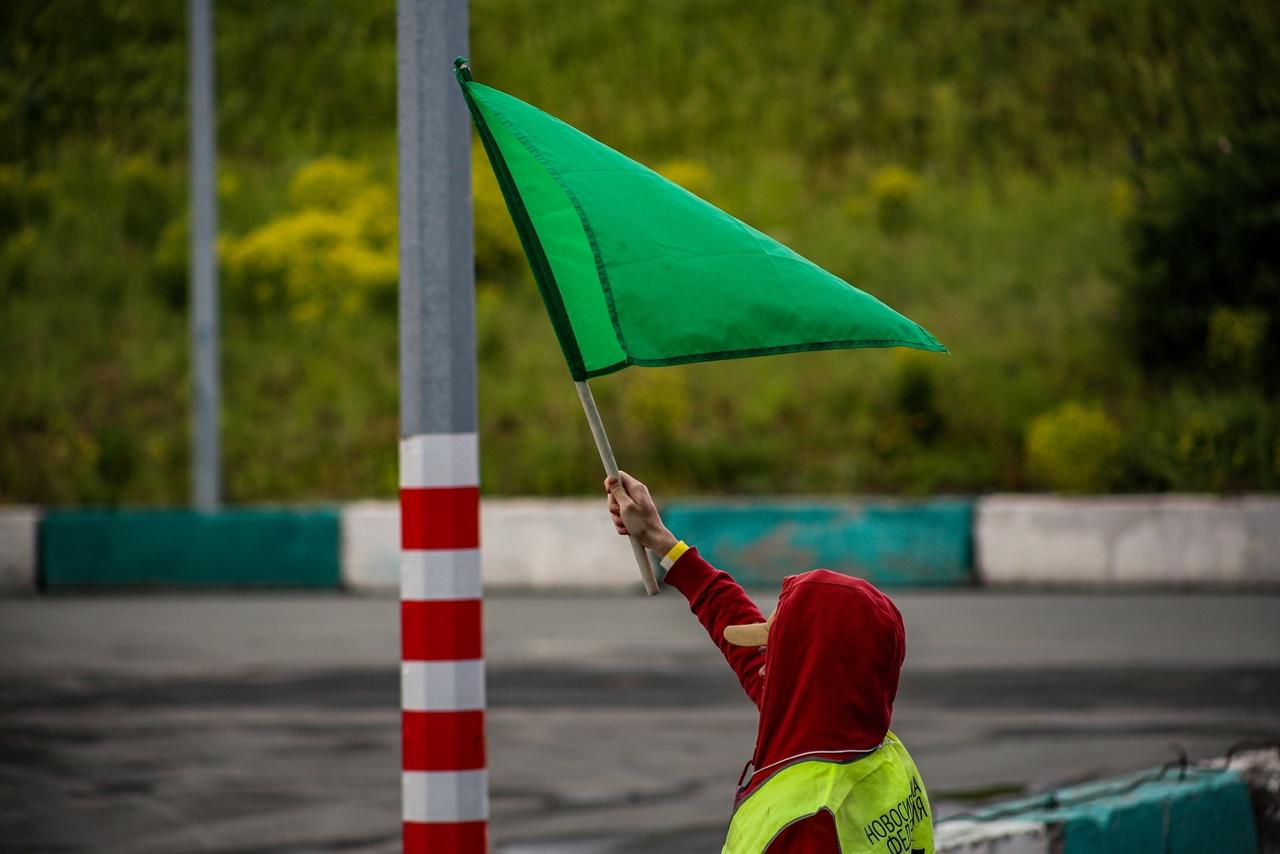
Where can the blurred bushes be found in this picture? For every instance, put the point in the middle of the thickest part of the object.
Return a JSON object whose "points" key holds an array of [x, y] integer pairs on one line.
{"points": [[1214, 441], [498, 253], [1201, 299], [1236, 340], [334, 252], [1204, 299], [915, 396], [148, 198], [24, 198], [1079, 199], [328, 184], [962, 88], [1207, 442], [893, 192], [291, 77], [1074, 448], [691, 174]]}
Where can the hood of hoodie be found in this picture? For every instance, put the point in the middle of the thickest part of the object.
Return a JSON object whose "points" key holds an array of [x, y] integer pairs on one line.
{"points": [[835, 651]]}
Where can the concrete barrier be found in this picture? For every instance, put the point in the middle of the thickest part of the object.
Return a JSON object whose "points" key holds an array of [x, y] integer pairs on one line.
{"points": [[543, 544], [370, 546], [252, 547], [19, 529], [1196, 809], [995, 837], [546, 544], [1260, 770], [1175, 540], [888, 542], [525, 544]]}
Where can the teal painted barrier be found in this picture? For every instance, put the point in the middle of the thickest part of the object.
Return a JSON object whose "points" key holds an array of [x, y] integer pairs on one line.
{"points": [[233, 547], [1169, 812], [893, 543]]}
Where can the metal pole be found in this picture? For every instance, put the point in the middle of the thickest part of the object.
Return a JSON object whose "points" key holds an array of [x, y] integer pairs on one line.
{"points": [[206, 462], [611, 469], [445, 784]]}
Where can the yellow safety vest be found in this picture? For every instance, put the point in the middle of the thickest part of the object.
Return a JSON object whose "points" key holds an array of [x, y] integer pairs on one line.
{"points": [[878, 802]]}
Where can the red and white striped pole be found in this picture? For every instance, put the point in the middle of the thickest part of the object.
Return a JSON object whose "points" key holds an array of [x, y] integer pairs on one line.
{"points": [[445, 784], [442, 690]]}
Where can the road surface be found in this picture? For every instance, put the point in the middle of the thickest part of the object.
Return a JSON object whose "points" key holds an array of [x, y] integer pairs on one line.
{"points": [[269, 722]]}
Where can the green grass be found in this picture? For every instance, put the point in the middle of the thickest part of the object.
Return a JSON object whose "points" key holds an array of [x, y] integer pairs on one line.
{"points": [[967, 163]]}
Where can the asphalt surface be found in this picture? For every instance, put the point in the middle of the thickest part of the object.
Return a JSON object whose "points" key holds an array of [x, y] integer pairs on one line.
{"points": [[255, 723]]}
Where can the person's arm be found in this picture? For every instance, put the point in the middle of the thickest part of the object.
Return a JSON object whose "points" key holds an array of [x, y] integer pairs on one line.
{"points": [[714, 597]]}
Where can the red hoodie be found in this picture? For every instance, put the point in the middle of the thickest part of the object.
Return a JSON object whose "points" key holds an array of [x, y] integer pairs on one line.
{"points": [[835, 650]]}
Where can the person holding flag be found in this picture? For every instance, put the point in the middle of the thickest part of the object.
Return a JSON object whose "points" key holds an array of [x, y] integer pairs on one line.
{"points": [[827, 776], [637, 271]]}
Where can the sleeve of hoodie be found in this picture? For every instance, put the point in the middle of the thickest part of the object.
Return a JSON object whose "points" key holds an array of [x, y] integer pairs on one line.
{"points": [[718, 601]]}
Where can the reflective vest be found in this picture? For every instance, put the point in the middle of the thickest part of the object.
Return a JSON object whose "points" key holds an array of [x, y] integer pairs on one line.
{"points": [[878, 802]]}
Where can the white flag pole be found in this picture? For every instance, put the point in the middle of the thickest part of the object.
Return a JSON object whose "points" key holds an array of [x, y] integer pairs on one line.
{"points": [[611, 469]]}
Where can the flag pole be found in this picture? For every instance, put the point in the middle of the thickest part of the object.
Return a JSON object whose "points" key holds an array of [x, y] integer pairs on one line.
{"points": [[611, 469]]}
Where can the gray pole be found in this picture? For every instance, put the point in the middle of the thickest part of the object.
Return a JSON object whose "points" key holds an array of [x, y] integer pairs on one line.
{"points": [[445, 805], [437, 273], [206, 464]]}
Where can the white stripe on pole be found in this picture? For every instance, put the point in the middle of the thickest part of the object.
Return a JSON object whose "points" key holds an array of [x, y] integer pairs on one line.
{"points": [[439, 459], [442, 686], [446, 796], [440, 574]]}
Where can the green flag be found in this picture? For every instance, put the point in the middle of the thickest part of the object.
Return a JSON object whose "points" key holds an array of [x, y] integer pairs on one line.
{"points": [[636, 270]]}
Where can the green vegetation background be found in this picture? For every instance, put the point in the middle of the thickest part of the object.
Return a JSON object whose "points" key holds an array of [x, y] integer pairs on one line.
{"points": [[1034, 182]]}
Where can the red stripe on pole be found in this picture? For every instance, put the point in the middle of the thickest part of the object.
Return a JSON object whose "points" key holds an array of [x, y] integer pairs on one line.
{"points": [[442, 741], [440, 630], [461, 837], [446, 517]]}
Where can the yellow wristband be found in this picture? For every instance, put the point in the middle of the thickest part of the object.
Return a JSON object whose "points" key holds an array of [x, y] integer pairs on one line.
{"points": [[674, 555]]}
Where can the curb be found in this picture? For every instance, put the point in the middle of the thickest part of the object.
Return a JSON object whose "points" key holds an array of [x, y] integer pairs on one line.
{"points": [[526, 544], [995, 837], [242, 547], [1128, 541], [1199, 808], [1260, 770], [19, 552], [566, 544], [1002, 541], [890, 543]]}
